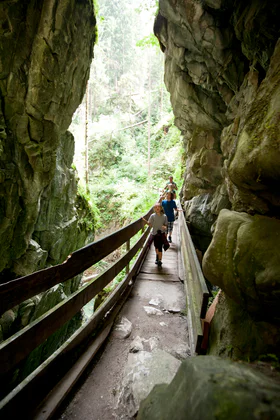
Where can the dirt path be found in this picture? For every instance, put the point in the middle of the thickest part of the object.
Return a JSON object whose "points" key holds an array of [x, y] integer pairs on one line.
{"points": [[105, 385]]}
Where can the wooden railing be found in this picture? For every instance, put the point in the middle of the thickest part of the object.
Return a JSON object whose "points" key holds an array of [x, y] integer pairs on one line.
{"points": [[16, 348], [89, 337], [196, 289]]}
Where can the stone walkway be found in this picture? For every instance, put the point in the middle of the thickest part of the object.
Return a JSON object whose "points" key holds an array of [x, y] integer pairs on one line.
{"points": [[157, 341]]}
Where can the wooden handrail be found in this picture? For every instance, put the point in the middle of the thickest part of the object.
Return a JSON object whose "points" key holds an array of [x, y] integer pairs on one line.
{"points": [[32, 390], [196, 288], [17, 347], [16, 291]]}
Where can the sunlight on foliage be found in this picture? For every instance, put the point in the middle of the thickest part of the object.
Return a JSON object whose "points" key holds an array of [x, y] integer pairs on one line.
{"points": [[125, 93], [148, 41]]}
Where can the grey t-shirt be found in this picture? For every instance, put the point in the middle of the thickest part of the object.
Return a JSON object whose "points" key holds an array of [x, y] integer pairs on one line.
{"points": [[157, 222]]}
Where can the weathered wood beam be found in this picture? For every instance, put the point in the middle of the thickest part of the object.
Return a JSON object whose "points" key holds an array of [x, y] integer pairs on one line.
{"points": [[17, 347], [34, 388], [16, 291]]}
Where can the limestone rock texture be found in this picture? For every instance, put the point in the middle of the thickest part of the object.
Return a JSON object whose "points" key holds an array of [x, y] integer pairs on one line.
{"points": [[45, 55], [46, 49], [206, 387], [222, 69]]}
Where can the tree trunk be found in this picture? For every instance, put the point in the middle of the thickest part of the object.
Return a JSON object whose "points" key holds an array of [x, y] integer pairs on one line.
{"points": [[161, 89], [149, 116], [86, 140]]}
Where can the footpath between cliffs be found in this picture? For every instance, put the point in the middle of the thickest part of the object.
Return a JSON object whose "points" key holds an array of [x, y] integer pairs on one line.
{"points": [[146, 346]]}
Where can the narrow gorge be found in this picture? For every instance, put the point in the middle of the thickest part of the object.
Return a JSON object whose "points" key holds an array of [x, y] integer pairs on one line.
{"points": [[222, 70]]}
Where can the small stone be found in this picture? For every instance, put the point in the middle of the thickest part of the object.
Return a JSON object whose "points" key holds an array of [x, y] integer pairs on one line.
{"points": [[163, 324], [154, 302], [153, 343], [152, 311], [123, 328], [181, 351], [174, 310], [136, 345]]}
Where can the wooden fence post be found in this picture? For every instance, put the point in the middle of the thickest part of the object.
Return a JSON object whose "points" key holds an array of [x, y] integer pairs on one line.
{"points": [[127, 249]]}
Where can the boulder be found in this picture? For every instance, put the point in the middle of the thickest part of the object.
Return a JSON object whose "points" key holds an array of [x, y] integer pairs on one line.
{"points": [[235, 334], [210, 388], [243, 260], [143, 371]]}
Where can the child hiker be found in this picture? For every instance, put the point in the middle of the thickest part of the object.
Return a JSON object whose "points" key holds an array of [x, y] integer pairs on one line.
{"points": [[169, 206], [158, 223]]}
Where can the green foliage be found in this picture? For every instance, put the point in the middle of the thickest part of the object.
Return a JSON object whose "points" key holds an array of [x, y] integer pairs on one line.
{"points": [[148, 5], [89, 216], [121, 77], [119, 182], [148, 41], [272, 359]]}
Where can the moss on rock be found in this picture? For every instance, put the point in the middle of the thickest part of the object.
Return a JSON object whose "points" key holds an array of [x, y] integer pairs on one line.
{"points": [[243, 260], [208, 388]]}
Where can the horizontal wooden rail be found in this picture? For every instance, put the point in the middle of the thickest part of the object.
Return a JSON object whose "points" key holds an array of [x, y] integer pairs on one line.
{"points": [[17, 347], [16, 291], [33, 389], [196, 288]]}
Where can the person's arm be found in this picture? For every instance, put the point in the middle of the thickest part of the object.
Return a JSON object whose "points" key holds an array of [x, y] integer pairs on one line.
{"points": [[147, 221], [175, 186], [176, 208], [164, 226]]}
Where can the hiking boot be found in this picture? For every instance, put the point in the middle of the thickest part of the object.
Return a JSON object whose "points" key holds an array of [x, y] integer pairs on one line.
{"points": [[156, 261], [169, 239], [159, 263]]}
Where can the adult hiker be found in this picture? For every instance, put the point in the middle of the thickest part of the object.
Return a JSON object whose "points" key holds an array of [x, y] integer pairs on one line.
{"points": [[158, 223], [171, 186], [169, 205]]}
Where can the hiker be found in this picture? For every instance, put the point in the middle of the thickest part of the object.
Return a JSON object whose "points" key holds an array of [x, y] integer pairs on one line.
{"points": [[158, 223], [171, 186], [169, 206]]}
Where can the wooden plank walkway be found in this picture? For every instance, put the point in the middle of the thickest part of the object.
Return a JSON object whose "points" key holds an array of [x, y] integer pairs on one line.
{"points": [[98, 394], [169, 269]]}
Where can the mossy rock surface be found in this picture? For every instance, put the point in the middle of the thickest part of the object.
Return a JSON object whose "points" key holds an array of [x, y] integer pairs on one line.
{"points": [[210, 388], [237, 335], [243, 259]]}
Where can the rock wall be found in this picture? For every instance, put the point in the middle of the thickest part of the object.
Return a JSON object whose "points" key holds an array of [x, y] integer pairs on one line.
{"points": [[222, 68], [46, 50], [45, 56]]}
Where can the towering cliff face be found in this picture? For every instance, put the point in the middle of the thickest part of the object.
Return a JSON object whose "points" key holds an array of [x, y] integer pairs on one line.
{"points": [[222, 68], [46, 48], [45, 54]]}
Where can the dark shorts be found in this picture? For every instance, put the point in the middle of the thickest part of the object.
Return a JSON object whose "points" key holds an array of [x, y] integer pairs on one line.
{"points": [[160, 241]]}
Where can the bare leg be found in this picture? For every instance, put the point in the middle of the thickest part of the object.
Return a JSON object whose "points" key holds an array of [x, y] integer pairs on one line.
{"points": [[159, 254], [169, 236]]}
